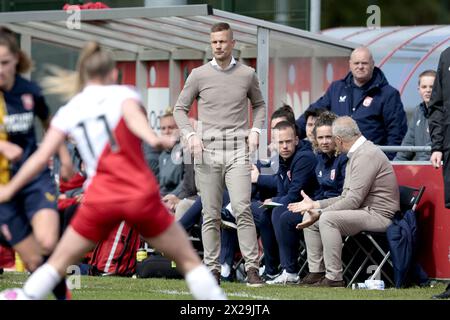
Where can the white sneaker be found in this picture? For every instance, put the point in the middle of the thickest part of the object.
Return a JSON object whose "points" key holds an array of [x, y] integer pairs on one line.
{"points": [[261, 270], [225, 270], [228, 225], [285, 278]]}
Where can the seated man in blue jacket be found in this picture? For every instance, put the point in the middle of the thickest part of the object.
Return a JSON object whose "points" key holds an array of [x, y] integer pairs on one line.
{"points": [[296, 171], [263, 175], [366, 96]]}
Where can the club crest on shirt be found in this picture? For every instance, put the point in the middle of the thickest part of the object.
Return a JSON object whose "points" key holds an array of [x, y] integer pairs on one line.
{"points": [[50, 197], [342, 98], [333, 174], [367, 101], [27, 101]]}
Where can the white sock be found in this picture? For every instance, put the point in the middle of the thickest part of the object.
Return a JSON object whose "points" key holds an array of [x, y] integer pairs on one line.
{"points": [[203, 285], [41, 282], [225, 270]]}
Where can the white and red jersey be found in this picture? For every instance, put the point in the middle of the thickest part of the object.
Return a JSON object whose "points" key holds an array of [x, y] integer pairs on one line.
{"points": [[112, 154]]}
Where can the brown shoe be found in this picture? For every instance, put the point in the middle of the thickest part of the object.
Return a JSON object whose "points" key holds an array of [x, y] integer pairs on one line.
{"points": [[312, 278], [216, 275], [325, 282], [253, 278]]}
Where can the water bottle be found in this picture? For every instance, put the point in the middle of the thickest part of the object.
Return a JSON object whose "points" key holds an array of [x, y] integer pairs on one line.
{"points": [[359, 286], [374, 284]]}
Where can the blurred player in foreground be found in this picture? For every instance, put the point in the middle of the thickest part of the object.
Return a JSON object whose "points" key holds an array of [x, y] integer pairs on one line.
{"points": [[107, 122]]}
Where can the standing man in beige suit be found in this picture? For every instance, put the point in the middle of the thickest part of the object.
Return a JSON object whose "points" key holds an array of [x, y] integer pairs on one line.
{"points": [[369, 200], [222, 143]]}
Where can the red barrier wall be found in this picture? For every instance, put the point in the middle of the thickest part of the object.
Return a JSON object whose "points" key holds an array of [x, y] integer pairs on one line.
{"points": [[127, 72], [434, 218]]}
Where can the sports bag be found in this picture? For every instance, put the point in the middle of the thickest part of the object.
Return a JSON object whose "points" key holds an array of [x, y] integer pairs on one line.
{"points": [[116, 255]]}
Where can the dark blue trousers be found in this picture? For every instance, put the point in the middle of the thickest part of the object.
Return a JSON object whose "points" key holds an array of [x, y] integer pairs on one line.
{"points": [[229, 240], [289, 240], [263, 220], [280, 238]]}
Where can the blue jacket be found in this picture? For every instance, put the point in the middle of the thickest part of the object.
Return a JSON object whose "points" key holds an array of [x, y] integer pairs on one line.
{"points": [[296, 174], [378, 111], [330, 173], [402, 239]]}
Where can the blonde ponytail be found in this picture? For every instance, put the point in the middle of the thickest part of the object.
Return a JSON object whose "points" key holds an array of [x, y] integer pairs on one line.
{"points": [[62, 82]]}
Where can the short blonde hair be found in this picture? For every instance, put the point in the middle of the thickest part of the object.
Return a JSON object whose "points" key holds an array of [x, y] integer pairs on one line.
{"points": [[168, 112]]}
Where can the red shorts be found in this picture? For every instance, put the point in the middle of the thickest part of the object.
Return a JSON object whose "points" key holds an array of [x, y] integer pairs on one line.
{"points": [[148, 216]]}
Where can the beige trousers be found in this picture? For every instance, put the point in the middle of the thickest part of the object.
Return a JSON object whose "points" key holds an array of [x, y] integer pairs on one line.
{"points": [[324, 238], [230, 168]]}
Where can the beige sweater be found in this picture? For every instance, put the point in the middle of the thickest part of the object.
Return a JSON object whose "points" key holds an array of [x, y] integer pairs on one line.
{"points": [[370, 183], [222, 101]]}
